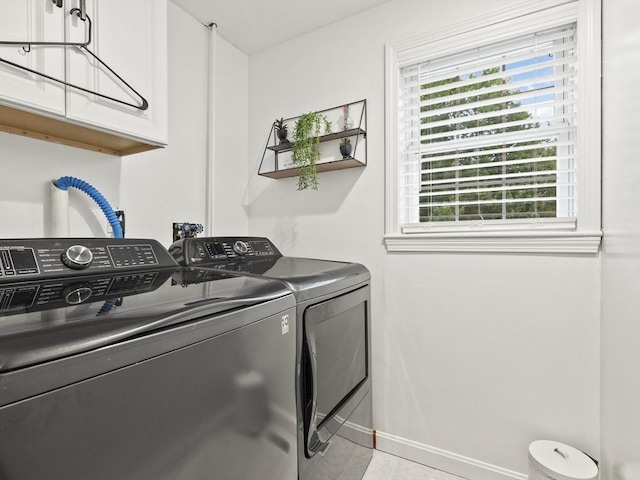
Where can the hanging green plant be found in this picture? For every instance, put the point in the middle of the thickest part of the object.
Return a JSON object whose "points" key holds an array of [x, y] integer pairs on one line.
{"points": [[306, 147]]}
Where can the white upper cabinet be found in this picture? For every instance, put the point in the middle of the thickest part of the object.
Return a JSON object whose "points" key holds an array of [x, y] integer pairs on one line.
{"points": [[129, 39], [33, 21]]}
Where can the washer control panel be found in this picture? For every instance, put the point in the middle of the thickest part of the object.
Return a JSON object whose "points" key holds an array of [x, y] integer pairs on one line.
{"points": [[37, 258]]}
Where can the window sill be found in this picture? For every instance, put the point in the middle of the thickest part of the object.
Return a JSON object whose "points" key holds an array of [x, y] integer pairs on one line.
{"points": [[493, 242]]}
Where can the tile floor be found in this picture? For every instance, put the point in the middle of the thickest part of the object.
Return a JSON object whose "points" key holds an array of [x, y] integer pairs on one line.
{"points": [[384, 466]]}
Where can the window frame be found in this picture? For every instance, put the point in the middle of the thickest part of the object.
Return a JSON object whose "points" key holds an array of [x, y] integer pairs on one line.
{"points": [[493, 27]]}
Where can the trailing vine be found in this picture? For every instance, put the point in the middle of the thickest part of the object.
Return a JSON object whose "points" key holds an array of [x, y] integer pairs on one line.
{"points": [[306, 147]]}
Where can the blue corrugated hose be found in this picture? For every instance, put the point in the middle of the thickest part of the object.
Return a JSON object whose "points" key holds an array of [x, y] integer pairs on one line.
{"points": [[63, 183]]}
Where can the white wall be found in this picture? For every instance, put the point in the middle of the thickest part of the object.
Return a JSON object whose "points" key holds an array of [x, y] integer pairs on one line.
{"points": [[231, 139], [165, 186], [155, 188], [27, 168], [475, 356], [160, 187], [621, 246]]}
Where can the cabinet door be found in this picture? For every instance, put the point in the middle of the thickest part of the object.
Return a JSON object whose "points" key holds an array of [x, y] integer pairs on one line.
{"points": [[131, 38], [36, 21]]}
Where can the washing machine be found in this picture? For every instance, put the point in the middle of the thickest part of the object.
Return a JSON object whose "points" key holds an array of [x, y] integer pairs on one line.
{"points": [[116, 363], [333, 347]]}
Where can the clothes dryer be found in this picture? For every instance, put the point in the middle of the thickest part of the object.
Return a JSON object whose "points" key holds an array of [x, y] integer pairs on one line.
{"points": [[333, 348]]}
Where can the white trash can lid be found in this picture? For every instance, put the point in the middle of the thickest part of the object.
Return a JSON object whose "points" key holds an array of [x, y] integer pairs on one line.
{"points": [[561, 462]]}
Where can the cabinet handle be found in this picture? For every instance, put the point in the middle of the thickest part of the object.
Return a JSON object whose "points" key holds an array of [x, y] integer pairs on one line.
{"points": [[58, 3]]}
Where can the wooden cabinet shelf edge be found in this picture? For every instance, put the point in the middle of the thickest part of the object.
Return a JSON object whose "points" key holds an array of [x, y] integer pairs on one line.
{"points": [[42, 127]]}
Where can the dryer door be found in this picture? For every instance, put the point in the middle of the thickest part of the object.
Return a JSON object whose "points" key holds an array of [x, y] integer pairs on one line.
{"points": [[335, 364]]}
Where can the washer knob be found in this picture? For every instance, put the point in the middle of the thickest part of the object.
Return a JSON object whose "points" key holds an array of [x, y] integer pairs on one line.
{"points": [[77, 257], [240, 247]]}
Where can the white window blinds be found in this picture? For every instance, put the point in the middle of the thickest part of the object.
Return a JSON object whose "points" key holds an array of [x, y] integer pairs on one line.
{"points": [[487, 136]]}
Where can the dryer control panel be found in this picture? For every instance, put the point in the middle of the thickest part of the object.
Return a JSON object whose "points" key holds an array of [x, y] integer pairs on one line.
{"points": [[40, 258], [205, 250]]}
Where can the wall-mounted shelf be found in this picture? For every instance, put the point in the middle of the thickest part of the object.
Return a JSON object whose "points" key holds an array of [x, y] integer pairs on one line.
{"points": [[276, 159], [322, 167], [285, 147]]}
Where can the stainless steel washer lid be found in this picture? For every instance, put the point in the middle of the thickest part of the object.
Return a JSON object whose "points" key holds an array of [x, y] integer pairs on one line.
{"points": [[61, 317]]}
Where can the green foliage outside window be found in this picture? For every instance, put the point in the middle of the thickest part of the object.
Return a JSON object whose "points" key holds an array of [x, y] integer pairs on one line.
{"points": [[489, 177]]}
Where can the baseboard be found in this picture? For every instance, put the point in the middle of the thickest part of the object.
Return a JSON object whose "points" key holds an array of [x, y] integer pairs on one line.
{"points": [[357, 428], [443, 460]]}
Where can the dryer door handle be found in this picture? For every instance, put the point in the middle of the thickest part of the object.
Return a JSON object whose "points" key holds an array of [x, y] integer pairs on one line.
{"points": [[310, 387]]}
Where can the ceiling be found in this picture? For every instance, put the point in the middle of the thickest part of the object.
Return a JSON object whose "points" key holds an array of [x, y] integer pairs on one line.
{"points": [[255, 25]]}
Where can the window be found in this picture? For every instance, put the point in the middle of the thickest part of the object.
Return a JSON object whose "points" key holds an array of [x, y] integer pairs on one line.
{"points": [[493, 134], [488, 134]]}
